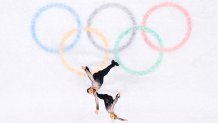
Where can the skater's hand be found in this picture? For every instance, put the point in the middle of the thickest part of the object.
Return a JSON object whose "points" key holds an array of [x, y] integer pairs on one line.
{"points": [[83, 67], [96, 112], [121, 119], [118, 95]]}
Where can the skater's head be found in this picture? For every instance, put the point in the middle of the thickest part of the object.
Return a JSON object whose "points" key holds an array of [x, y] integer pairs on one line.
{"points": [[91, 90], [113, 116]]}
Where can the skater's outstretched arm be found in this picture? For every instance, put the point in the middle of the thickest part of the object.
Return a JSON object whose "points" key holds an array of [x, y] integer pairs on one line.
{"points": [[115, 100], [121, 119], [89, 74], [97, 103]]}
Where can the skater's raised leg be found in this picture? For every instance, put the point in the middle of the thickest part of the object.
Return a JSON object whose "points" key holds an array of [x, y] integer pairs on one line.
{"points": [[100, 74]]}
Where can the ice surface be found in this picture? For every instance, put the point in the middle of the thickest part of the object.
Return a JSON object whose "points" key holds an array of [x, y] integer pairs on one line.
{"points": [[35, 87]]}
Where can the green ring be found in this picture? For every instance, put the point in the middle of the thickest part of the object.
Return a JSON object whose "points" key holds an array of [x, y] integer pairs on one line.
{"points": [[135, 72]]}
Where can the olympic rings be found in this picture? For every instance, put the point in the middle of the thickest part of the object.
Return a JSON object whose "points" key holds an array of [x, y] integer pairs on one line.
{"points": [[44, 9], [132, 29], [65, 39], [105, 6], [185, 38], [117, 58]]}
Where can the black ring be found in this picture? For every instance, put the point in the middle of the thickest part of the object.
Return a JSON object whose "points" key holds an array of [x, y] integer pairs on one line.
{"points": [[105, 6]]}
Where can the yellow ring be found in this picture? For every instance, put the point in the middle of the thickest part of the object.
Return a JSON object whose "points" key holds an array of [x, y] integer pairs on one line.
{"points": [[70, 67]]}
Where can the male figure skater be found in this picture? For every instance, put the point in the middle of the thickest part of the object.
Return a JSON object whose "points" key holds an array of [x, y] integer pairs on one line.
{"points": [[109, 105], [97, 80]]}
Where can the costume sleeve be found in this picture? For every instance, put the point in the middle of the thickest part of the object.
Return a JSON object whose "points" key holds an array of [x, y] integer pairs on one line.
{"points": [[115, 101], [121, 119], [96, 101], [89, 74]]}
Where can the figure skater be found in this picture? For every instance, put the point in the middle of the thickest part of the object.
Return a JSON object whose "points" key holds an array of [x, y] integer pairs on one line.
{"points": [[97, 80], [109, 105]]}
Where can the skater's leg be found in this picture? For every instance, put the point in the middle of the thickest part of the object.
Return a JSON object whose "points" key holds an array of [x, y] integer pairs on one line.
{"points": [[100, 75]]}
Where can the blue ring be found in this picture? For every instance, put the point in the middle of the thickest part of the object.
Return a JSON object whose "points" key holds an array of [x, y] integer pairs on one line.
{"points": [[43, 9]]}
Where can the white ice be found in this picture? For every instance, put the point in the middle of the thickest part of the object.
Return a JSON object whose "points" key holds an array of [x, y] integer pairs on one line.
{"points": [[35, 87]]}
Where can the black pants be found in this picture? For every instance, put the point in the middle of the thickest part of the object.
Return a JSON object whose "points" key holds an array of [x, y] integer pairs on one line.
{"points": [[99, 76]]}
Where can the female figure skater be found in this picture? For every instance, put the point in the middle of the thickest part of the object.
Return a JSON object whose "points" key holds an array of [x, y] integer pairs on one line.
{"points": [[109, 105], [97, 80]]}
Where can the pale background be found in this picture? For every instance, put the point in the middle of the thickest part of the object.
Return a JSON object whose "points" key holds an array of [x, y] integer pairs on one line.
{"points": [[35, 87]]}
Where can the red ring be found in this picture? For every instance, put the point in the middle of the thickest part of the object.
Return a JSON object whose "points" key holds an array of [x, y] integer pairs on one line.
{"points": [[188, 24]]}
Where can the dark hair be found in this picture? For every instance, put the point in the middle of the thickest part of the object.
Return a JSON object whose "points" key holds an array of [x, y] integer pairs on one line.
{"points": [[88, 89]]}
